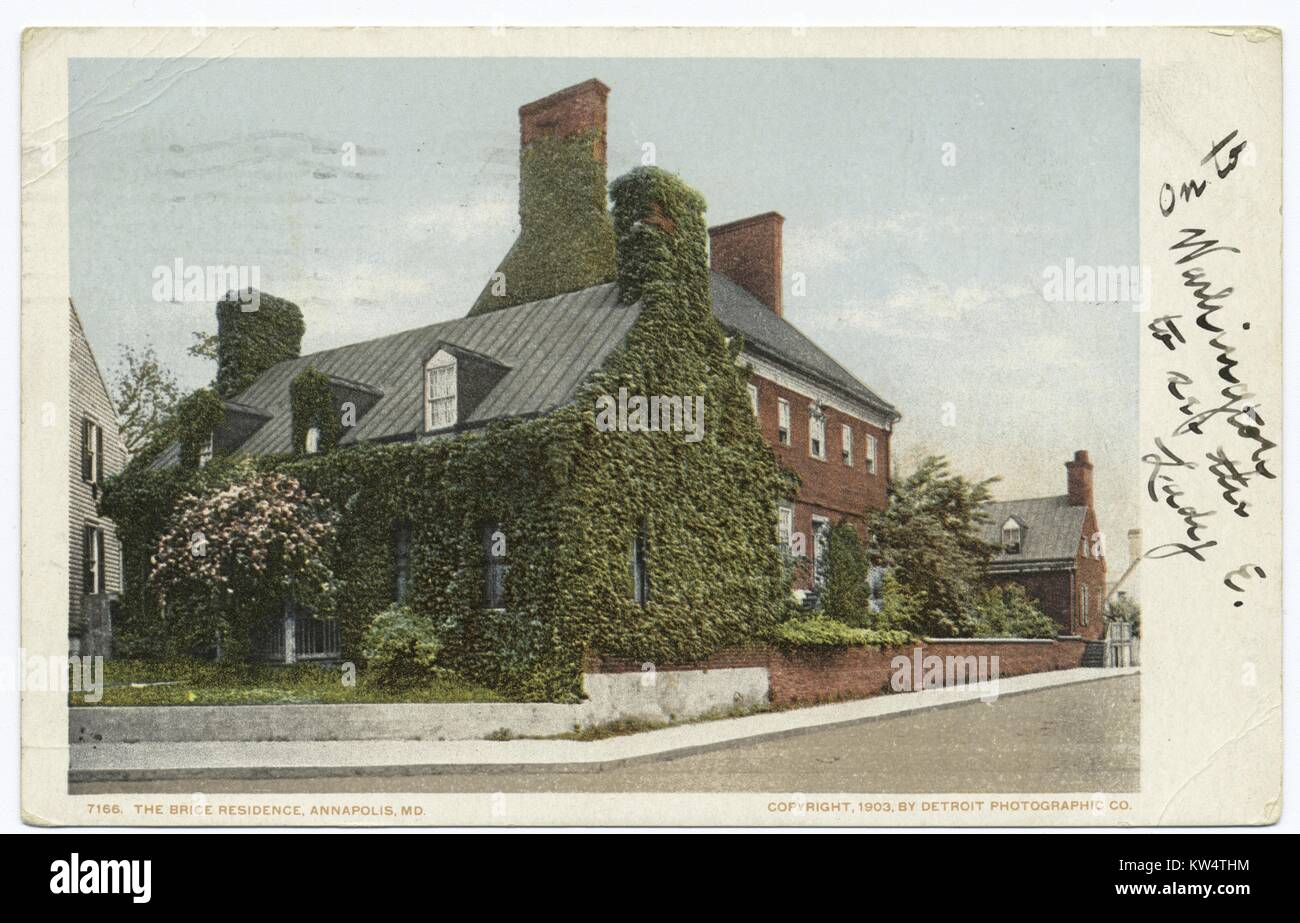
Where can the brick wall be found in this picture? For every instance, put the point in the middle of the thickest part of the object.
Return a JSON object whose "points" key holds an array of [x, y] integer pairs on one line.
{"points": [[810, 677]]}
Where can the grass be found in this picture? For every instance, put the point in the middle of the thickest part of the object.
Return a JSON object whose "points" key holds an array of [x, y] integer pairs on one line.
{"points": [[187, 682]]}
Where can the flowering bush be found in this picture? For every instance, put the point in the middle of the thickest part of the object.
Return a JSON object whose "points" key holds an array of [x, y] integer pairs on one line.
{"points": [[234, 558]]}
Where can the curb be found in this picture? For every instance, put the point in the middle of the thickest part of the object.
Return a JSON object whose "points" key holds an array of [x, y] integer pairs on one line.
{"points": [[596, 764]]}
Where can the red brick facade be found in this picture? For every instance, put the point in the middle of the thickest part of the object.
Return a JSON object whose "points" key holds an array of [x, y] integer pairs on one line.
{"points": [[829, 489]]}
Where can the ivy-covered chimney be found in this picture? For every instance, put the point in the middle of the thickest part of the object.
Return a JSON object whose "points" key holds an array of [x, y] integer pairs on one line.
{"points": [[566, 237], [250, 341]]}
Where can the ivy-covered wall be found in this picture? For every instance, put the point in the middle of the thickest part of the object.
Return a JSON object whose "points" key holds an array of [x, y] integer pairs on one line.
{"points": [[569, 497], [566, 240]]}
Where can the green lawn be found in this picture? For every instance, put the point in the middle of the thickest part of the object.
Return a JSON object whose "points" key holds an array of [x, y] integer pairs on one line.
{"points": [[186, 682]]}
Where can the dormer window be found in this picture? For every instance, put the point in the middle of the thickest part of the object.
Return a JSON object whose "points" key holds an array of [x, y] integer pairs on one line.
{"points": [[1011, 537], [440, 391], [312, 443]]}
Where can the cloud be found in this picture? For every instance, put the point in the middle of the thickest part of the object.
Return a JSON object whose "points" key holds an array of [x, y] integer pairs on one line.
{"points": [[916, 308], [463, 222], [809, 248]]}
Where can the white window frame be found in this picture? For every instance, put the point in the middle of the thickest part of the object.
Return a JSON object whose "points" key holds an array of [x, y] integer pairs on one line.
{"points": [[440, 410], [1011, 526], [871, 454], [206, 451], [311, 443], [92, 440], [846, 444], [817, 435], [785, 527], [93, 543], [1084, 601], [753, 397], [783, 427]]}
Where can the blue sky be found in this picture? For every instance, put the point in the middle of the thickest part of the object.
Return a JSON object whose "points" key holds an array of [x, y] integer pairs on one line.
{"points": [[923, 274]]}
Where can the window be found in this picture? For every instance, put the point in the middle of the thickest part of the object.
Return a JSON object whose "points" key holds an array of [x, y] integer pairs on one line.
{"points": [[440, 391], [817, 434], [785, 528], [871, 454], [92, 452], [92, 559], [1011, 537], [1083, 603], [315, 638], [205, 451], [640, 567], [783, 420], [846, 444], [401, 559], [753, 397], [312, 445], [495, 565]]}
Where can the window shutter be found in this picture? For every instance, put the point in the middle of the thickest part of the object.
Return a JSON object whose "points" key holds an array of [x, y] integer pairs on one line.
{"points": [[87, 561], [85, 450], [98, 473], [99, 561]]}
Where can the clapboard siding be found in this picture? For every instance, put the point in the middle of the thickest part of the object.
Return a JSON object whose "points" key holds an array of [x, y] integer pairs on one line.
{"points": [[88, 398]]}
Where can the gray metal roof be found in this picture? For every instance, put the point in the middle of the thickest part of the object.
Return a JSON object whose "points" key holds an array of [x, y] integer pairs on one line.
{"points": [[775, 337], [1050, 528], [549, 346]]}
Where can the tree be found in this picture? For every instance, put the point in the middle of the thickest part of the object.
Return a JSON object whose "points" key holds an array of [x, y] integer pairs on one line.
{"points": [[232, 560], [847, 593], [145, 394], [204, 346], [929, 536]]}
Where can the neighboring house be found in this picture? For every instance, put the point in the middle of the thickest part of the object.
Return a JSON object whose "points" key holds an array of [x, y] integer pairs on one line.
{"points": [[1052, 547], [95, 452]]}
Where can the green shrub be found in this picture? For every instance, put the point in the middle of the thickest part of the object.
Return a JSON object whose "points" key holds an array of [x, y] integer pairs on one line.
{"points": [[1008, 612], [820, 631], [401, 648]]}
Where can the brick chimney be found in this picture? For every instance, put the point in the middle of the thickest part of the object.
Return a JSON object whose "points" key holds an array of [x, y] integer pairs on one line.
{"points": [[1078, 479], [748, 252], [566, 237], [571, 111]]}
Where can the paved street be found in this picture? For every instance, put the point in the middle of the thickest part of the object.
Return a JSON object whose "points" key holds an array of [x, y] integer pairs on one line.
{"points": [[1078, 738]]}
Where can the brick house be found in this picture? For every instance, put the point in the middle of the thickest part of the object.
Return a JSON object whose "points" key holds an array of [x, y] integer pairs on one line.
{"points": [[556, 315], [1052, 547], [824, 424], [95, 452]]}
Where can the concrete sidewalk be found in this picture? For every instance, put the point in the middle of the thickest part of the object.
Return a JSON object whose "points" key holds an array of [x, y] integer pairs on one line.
{"points": [[309, 759]]}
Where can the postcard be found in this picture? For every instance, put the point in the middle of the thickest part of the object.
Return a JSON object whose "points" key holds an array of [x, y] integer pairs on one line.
{"points": [[651, 427]]}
